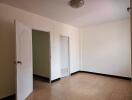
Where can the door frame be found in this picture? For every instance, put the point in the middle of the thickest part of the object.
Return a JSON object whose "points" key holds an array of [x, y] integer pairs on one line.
{"points": [[69, 68], [49, 48]]}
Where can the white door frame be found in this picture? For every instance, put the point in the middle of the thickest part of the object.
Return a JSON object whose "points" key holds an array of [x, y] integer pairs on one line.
{"points": [[49, 48], [69, 68]]}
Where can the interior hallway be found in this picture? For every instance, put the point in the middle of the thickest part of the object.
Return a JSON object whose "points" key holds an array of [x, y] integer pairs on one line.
{"points": [[82, 86]]}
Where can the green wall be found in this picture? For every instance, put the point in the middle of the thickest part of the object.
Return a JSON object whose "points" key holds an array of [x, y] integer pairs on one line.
{"points": [[41, 53]]}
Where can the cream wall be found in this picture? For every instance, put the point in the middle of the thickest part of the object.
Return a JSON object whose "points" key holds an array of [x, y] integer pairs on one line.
{"points": [[7, 51], [106, 48]]}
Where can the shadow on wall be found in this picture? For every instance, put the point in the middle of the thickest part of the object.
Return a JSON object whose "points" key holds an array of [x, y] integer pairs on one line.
{"points": [[7, 57]]}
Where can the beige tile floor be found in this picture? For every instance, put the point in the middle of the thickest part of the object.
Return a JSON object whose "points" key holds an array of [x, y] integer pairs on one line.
{"points": [[83, 86]]}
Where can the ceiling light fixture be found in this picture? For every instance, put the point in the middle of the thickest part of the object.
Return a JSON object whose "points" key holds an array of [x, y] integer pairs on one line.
{"points": [[76, 3]]}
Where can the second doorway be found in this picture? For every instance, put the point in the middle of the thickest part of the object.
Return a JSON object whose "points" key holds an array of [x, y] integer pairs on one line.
{"points": [[65, 57]]}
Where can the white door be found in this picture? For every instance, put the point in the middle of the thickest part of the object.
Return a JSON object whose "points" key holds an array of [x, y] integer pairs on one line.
{"points": [[65, 65], [23, 61]]}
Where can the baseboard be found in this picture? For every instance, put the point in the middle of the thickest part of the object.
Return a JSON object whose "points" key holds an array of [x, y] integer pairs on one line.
{"points": [[11, 97], [121, 77], [42, 78], [75, 73], [55, 80]]}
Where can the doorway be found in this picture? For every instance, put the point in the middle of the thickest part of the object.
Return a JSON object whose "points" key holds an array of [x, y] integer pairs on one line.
{"points": [[65, 57], [41, 55]]}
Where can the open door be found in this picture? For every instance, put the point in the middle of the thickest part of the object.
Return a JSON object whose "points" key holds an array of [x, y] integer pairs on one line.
{"points": [[24, 80]]}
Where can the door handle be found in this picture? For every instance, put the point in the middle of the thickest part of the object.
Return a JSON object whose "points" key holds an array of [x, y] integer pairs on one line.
{"points": [[17, 62]]}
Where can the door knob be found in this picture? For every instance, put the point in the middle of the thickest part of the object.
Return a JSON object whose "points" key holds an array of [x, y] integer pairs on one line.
{"points": [[19, 62]]}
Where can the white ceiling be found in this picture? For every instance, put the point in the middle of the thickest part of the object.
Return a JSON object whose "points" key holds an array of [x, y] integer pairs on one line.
{"points": [[93, 12]]}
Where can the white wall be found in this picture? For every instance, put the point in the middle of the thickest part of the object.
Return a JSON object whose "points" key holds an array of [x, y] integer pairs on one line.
{"points": [[7, 44], [106, 48]]}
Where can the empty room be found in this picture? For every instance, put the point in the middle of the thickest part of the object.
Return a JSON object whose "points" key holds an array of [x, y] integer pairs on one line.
{"points": [[65, 50]]}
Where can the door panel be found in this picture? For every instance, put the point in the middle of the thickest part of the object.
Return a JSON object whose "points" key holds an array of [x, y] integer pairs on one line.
{"points": [[65, 66], [23, 60]]}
